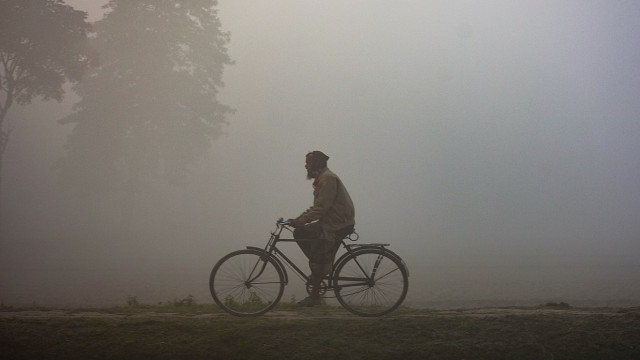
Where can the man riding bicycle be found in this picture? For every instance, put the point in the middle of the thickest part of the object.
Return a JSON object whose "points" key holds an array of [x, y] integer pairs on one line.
{"points": [[326, 222]]}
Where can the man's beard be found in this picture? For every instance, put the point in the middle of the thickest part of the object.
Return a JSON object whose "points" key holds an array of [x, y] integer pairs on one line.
{"points": [[312, 172]]}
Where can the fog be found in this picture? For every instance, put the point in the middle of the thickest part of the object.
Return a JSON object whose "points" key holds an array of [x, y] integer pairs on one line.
{"points": [[495, 145]]}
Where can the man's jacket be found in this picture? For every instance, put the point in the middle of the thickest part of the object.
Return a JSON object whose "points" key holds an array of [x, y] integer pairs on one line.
{"points": [[332, 205]]}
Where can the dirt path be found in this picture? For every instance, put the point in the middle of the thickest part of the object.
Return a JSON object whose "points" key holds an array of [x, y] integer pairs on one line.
{"points": [[208, 333], [322, 313]]}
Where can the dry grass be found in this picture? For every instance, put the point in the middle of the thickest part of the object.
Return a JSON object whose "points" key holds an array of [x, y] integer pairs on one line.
{"points": [[203, 332]]}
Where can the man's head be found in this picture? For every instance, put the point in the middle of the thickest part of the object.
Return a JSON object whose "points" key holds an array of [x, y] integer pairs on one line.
{"points": [[315, 161]]}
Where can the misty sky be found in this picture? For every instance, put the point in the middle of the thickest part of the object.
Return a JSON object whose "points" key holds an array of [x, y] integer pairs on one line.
{"points": [[498, 128], [467, 132]]}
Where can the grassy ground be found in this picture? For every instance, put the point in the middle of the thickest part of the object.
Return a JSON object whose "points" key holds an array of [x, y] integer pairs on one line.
{"points": [[192, 331]]}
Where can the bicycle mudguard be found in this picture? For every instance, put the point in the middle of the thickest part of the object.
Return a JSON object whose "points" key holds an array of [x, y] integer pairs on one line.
{"points": [[275, 260], [358, 247]]}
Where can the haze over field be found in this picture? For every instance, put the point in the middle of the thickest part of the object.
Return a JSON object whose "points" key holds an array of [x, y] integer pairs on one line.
{"points": [[495, 145]]}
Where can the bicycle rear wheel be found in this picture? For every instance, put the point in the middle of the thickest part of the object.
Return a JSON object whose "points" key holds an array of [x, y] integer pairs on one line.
{"points": [[247, 282], [371, 282]]}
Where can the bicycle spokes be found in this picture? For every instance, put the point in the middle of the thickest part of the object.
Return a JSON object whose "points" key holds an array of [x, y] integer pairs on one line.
{"points": [[246, 283], [369, 283]]}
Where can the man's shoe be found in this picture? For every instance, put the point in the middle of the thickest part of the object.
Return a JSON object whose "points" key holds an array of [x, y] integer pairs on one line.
{"points": [[308, 302]]}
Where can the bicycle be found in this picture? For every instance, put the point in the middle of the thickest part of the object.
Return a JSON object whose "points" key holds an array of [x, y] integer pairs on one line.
{"points": [[367, 280]]}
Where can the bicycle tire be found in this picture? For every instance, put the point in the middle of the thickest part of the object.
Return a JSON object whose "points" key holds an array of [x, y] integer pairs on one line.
{"points": [[371, 282], [247, 282]]}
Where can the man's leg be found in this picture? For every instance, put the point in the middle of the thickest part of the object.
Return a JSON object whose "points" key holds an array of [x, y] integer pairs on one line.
{"points": [[312, 232], [320, 264], [308, 231], [315, 280]]}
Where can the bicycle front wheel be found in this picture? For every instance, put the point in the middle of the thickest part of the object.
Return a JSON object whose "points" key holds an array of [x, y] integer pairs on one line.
{"points": [[247, 282], [370, 282]]}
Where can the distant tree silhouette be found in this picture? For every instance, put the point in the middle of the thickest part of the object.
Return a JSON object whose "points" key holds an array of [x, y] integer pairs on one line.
{"points": [[150, 109], [42, 46]]}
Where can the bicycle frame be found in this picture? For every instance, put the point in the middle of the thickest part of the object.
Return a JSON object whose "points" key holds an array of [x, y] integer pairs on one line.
{"points": [[282, 259], [272, 250]]}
